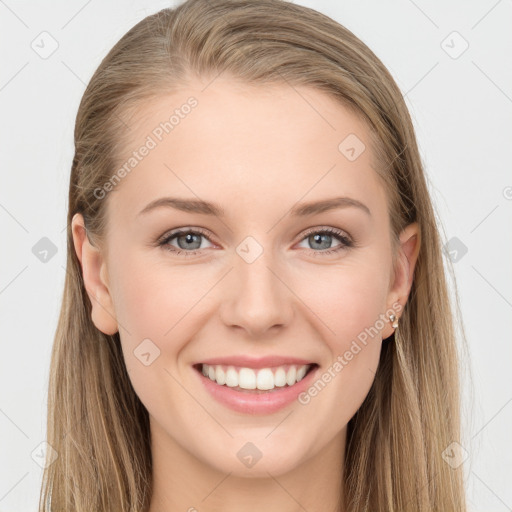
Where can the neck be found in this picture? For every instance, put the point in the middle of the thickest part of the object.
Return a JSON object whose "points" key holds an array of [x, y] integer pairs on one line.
{"points": [[182, 482]]}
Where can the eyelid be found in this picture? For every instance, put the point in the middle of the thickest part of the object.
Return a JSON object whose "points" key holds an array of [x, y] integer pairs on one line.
{"points": [[327, 229], [185, 230], [346, 240]]}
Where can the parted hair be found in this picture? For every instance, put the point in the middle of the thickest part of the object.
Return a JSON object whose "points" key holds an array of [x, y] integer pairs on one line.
{"points": [[96, 423]]}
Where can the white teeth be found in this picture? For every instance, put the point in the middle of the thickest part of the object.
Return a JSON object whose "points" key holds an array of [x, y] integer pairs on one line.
{"points": [[280, 378], [301, 372], [263, 379], [231, 378], [247, 378], [291, 376], [221, 376]]}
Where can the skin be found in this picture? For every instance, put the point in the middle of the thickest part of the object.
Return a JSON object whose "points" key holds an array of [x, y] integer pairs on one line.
{"points": [[255, 152]]}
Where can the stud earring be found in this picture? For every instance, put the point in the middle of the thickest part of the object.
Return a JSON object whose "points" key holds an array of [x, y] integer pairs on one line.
{"points": [[394, 320]]}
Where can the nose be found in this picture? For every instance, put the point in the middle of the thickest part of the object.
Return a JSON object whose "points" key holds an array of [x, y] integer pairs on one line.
{"points": [[257, 298]]}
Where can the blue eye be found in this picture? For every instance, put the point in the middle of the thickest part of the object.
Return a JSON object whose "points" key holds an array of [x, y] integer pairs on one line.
{"points": [[316, 236], [191, 239]]}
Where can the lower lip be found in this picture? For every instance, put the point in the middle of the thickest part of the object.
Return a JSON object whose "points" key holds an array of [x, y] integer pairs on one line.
{"points": [[248, 402]]}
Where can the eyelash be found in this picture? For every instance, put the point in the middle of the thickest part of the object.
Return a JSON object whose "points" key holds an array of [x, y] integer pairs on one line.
{"points": [[346, 242]]}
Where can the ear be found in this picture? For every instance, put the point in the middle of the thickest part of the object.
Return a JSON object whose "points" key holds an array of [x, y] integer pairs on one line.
{"points": [[402, 277], [94, 273]]}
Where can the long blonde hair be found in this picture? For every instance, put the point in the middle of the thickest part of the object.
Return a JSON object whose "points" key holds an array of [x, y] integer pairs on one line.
{"points": [[96, 422]]}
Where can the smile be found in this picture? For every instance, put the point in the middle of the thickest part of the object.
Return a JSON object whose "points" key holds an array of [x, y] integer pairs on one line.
{"points": [[263, 379], [255, 391]]}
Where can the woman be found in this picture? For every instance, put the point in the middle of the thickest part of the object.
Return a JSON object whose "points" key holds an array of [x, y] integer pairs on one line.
{"points": [[209, 354]]}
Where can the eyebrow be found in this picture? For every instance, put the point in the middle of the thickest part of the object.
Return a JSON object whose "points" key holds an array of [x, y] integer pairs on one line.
{"points": [[208, 208]]}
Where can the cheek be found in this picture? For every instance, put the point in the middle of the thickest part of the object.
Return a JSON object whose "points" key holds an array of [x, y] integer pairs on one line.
{"points": [[350, 306], [347, 299], [152, 307], [157, 302], [149, 297]]}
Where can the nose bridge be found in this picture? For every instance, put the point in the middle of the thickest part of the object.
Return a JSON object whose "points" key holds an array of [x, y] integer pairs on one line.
{"points": [[258, 298]]}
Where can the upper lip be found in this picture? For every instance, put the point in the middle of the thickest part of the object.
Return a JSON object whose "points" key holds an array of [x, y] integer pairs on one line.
{"points": [[254, 362]]}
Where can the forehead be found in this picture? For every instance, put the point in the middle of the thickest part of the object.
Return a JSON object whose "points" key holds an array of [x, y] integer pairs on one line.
{"points": [[245, 145]]}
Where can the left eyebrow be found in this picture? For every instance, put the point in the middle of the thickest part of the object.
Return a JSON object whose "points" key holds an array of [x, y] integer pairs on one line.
{"points": [[306, 209], [208, 208]]}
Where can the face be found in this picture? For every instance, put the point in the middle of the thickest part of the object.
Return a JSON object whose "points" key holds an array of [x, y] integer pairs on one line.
{"points": [[262, 277]]}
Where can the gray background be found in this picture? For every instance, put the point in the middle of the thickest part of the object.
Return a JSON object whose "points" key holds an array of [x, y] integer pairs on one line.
{"points": [[461, 103]]}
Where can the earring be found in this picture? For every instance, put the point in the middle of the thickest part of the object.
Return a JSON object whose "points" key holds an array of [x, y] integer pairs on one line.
{"points": [[394, 320]]}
